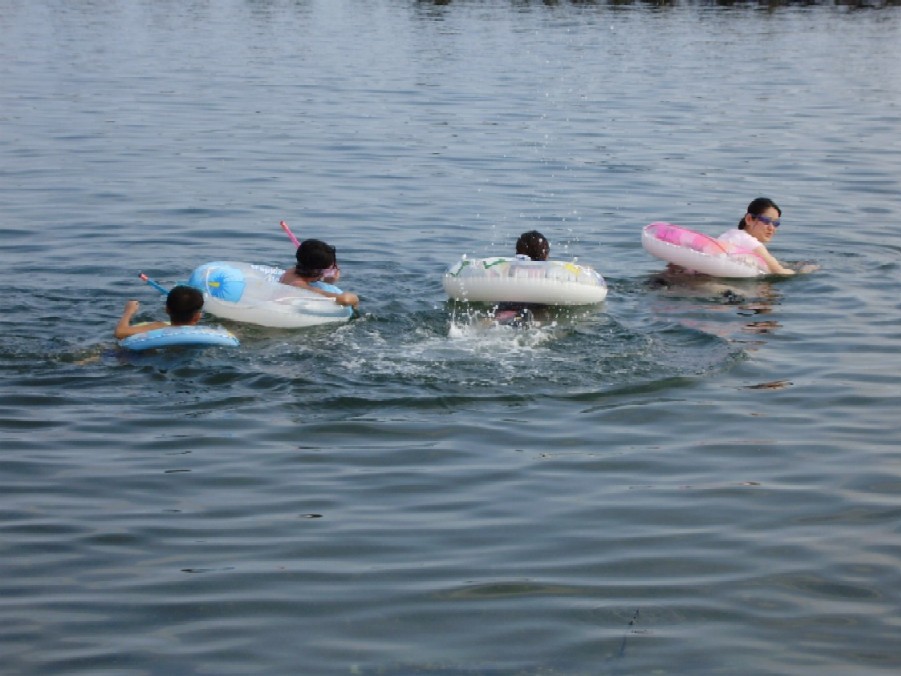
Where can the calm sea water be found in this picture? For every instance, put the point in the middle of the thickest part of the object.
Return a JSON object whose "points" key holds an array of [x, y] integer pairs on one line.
{"points": [[701, 478]]}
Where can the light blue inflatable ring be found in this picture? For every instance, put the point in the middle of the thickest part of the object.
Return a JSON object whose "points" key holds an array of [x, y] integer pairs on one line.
{"points": [[180, 336]]}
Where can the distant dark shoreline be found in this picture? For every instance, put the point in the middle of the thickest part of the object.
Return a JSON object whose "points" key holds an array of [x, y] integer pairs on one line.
{"points": [[663, 4]]}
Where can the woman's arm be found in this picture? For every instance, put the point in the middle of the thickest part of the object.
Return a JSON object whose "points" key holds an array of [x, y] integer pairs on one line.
{"points": [[775, 266]]}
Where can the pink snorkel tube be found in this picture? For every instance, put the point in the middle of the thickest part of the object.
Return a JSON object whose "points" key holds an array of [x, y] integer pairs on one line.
{"points": [[289, 233]]}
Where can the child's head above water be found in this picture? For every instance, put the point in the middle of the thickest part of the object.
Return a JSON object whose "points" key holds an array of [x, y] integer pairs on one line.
{"points": [[314, 257], [534, 245], [184, 304]]}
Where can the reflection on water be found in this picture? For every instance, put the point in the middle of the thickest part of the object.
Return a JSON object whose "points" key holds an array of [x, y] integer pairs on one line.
{"points": [[683, 295]]}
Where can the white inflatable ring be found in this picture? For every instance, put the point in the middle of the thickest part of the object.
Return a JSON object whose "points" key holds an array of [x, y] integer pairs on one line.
{"points": [[519, 280], [251, 293], [180, 336], [696, 251]]}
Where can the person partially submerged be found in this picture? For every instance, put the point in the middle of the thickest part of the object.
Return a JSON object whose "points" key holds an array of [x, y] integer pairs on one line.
{"points": [[316, 270], [531, 246], [184, 305], [756, 229]]}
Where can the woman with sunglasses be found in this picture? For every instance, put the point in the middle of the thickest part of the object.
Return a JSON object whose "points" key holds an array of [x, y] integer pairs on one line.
{"points": [[755, 230]]}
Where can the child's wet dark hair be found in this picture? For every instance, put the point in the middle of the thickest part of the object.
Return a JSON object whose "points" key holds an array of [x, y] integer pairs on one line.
{"points": [[313, 256], [534, 245], [183, 302]]}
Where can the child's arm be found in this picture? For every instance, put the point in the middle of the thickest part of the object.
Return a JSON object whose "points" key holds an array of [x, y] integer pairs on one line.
{"points": [[124, 329], [344, 298], [348, 298]]}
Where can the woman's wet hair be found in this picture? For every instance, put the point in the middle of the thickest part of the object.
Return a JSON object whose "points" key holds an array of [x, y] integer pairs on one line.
{"points": [[313, 256], [757, 207], [534, 245], [183, 302]]}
